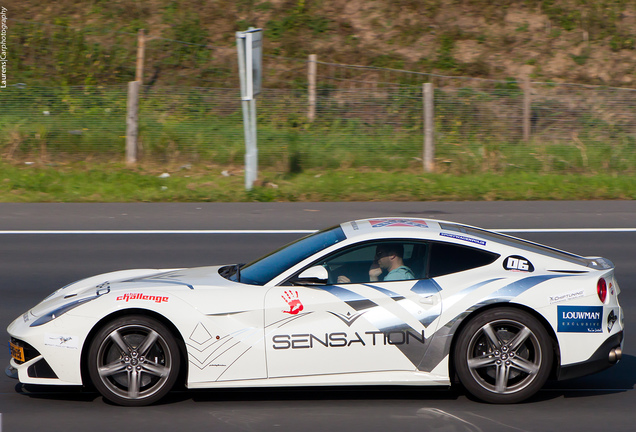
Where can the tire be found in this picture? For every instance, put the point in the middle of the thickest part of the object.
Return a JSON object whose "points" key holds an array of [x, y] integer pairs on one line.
{"points": [[503, 355], [133, 361]]}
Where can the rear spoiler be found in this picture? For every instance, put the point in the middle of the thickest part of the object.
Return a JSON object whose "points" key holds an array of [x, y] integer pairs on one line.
{"points": [[599, 263]]}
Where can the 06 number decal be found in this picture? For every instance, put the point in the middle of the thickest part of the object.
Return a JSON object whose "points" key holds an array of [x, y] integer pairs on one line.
{"points": [[518, 263]]}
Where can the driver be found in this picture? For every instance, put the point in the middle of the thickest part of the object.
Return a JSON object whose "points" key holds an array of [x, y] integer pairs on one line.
{"points": [[389, 258]]}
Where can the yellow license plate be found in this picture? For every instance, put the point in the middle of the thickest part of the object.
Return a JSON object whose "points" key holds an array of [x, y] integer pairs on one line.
{"points": [[17, 352]]}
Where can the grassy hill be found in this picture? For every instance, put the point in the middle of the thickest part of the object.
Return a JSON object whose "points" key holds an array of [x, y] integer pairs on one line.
{"points": [[590, 42]]}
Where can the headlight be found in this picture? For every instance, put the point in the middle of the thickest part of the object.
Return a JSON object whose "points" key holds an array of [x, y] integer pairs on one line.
{"points": [[50, 316]]}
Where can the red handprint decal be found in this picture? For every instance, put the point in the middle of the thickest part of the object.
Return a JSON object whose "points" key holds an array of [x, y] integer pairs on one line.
{"points": [[291, 298]]}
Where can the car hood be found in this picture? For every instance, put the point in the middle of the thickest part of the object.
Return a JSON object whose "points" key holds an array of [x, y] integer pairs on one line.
{"points": [[91, 287], [187, 277], [132, 280]]}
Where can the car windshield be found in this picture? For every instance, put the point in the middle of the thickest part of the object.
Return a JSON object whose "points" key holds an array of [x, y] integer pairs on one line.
{"points": [[264, 269]]}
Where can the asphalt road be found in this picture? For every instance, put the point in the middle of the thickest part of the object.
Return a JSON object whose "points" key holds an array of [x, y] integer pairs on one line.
{"points": [[32, 265]]}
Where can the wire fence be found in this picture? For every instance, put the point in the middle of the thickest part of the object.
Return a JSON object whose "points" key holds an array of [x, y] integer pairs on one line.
{"points": [[364, 116]]}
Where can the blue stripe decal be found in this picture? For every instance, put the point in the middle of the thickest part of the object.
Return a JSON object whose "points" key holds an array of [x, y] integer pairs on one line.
{"points": [[426, 286], [519, 287], [354, 300], [386, 292], [343, 294], [477, 286], [160, 281], [450, 301]]}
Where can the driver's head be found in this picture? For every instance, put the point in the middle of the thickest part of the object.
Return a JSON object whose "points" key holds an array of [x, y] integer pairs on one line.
{"points": [[389, 255]]}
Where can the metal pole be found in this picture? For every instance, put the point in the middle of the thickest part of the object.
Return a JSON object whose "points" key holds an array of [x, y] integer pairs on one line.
{"points": [[429, 128], [526, 109], [132, 122], [247, 129], [141, 49], [311, 115], [251, 157]]}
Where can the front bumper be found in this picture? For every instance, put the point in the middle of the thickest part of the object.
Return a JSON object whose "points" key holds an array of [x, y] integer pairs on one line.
{"points": [[600, 360]]}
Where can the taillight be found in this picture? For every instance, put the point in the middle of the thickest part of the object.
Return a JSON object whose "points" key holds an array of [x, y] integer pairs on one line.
{"points": [[601, 289]]}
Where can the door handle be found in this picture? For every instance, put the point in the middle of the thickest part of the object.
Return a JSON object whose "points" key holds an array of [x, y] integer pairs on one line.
{"points": [[429, 300]]}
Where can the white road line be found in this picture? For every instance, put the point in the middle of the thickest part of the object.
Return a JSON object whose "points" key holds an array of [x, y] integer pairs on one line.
{"points": [[564, 230], [31, 232], [506, 230]]}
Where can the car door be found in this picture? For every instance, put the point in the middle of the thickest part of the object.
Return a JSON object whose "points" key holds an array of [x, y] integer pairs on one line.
{"points": [[351, 324], [225, 341]]}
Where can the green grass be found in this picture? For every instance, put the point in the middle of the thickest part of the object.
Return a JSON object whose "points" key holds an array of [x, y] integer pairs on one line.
{"points": [[92, 182]]}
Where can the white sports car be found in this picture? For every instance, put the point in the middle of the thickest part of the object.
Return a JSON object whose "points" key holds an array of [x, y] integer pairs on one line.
{"points": [[369, 302]]}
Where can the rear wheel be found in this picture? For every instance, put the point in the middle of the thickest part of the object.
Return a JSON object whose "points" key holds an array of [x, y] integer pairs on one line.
{"points": [[133, 360], [503, 355]]}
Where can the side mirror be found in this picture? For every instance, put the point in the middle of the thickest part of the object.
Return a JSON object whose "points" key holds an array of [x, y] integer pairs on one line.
{"points": [[316, 275]]}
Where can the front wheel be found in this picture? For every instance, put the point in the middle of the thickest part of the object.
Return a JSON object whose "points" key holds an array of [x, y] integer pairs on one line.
{"points": [[503, 355], [133, 360]]}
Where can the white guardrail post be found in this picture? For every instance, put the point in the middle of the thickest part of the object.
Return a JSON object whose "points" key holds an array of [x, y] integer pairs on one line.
{"points": [[249, 46], [429, 128]]}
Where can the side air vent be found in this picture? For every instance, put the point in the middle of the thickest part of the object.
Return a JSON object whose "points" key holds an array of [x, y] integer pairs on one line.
{"points": [[41, 369]]}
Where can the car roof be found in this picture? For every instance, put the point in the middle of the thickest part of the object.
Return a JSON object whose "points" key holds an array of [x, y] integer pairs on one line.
{"points": [[432, 229], [393, 226]]}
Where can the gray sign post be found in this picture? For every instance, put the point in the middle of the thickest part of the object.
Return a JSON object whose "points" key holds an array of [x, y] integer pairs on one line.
{"points": [[250, 56]]}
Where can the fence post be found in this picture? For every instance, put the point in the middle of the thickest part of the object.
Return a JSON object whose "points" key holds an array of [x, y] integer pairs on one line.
{"points": [[429, 128], [131, 122], [141, 49], [526, 109], [311, 115]]}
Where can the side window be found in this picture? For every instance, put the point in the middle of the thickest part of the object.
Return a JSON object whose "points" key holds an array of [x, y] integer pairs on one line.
{"points": [[451, 258], [377, 262]]}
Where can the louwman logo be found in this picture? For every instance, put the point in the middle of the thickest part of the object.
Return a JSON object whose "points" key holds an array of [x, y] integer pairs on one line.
{"points": [[580, 319]]}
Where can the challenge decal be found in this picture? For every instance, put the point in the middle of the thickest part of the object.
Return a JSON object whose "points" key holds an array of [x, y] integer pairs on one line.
{"points": [[580, 319], [464, 238], [566, 296], [141, 296], [294, 303], [61, 341], [518, 263], [382, 223], [341, 339]]}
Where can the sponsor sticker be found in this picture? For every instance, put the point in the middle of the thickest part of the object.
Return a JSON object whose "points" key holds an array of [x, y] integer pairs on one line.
{"points": [[558, 298], [580, 319], [463, 238], [61, 341], [611, 320], [345, 340], [348, 319], [383, 223], [294, 303]]}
